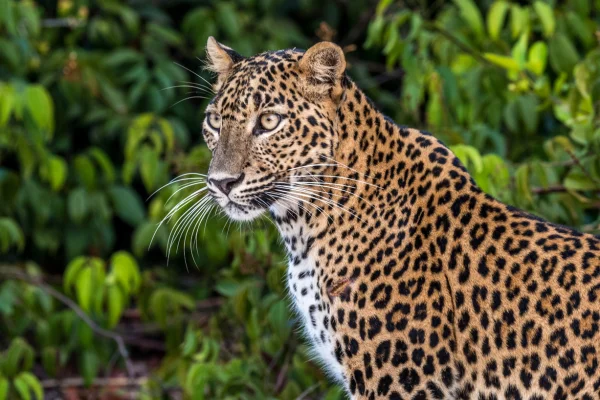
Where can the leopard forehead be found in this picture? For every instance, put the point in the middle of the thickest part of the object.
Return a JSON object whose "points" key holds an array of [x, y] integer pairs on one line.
{"points": [[262, 80]]}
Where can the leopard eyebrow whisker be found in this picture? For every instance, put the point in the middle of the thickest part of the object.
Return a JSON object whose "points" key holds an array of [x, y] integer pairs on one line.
{"points": [[200, 89], [188, 98], [202, 61], [181, 66], [201, 85]]}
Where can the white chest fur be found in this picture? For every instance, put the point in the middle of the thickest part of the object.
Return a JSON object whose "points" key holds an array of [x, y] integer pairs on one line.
{"points": [[306, 293], [307, 298]]}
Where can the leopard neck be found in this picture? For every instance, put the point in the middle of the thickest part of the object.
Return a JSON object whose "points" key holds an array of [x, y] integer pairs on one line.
{"points": [[353, 180]]}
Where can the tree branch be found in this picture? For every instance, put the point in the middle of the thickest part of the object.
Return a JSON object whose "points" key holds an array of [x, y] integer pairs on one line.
{"points": [[554, 189], [549, 189], [464, 47], [15, 273]]}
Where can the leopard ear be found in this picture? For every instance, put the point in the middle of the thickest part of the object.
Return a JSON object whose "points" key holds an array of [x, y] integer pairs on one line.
{"points": [[323, 67], [221, 58]]}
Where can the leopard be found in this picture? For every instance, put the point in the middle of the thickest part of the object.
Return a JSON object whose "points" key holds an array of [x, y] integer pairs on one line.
{"points": [[408, 280]]}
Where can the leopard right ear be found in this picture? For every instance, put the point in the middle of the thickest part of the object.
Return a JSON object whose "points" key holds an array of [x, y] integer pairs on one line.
{"points": [[323, 67], [221, 59]]}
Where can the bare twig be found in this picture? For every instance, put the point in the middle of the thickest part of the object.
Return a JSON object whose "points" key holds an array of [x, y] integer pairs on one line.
{"points": [[577, 161], [281, 377], [464, 47], [549, 189], [61, 22], [15, 273], [308, 391], [554, 189], [110, 382]]}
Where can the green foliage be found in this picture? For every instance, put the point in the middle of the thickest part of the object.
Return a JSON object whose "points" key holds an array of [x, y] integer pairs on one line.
{"points": [[524, 90], [101, 105], [16, 380]]}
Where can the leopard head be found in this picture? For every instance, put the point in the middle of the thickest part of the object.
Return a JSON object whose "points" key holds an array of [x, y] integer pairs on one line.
{"points": [[271, 122]]}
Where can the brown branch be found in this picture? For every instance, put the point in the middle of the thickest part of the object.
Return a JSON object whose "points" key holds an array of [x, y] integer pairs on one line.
{"points": [[464, 47], [556, 189], [15, 273], [79, 382], [549, 189], [281, 377], [577, 161]]}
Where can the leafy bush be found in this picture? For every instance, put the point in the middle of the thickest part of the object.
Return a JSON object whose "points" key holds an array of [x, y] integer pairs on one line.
{"points": [[100, 106]]}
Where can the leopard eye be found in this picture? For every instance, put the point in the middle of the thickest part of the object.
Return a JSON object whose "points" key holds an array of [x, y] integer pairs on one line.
{"points": [[214, 121], [268, 122]]}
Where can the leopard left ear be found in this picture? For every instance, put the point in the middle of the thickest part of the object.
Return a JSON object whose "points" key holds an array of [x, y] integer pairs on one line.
{"points": [[221, 58], [323, 67]]}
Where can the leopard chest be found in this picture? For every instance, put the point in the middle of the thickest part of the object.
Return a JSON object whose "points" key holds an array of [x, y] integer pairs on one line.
{"points": [[313, 308]]}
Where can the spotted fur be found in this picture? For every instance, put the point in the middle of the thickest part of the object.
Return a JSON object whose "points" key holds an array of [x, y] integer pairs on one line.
{"points": [[411, 283]]}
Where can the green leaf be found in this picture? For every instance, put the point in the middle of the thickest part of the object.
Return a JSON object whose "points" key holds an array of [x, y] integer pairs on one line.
{"points": [[528, 112], [546, 15], [77, 205], [496, 17], [4, 386], [519, 20], [54, 171], [33, 384], [22, 388], [577, 180], [50, 360], [522, 181], [19, 357], [149, 161], [116, 304], [89, 365], [468, 155], [71, 272], [190, 343], [280, 320], [164, 34], [113, 97], [126, 272], [519, 51], [84, 287], [166, 302], [538, 56], [502, 61], [227, 17], [563, 55], [104, 163], [119, 57], [582, 79], [10, 235], [7, 103], [142, 237], [470, 13], [40, 106], [127, 204]]}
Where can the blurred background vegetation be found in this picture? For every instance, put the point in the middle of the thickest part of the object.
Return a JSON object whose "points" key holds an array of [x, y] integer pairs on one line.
{"points": [[95, 116]]}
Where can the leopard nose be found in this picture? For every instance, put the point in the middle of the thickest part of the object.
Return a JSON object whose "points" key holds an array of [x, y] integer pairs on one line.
{"points": [[225, 185]]}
